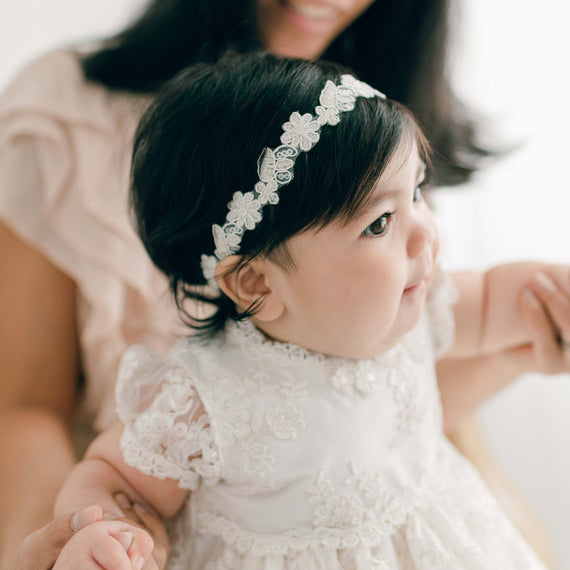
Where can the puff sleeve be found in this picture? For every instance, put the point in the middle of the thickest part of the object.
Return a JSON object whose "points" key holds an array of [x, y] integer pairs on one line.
{"points": [[65, 149], [167, 431]]}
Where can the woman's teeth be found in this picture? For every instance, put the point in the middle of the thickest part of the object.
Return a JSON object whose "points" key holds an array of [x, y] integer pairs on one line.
{"points": [[313, 11]]}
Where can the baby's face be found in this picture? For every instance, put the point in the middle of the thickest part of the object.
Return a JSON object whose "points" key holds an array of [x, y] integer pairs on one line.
{"points": [[356, 289]]}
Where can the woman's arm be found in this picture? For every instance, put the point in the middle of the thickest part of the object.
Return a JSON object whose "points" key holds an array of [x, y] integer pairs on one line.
{"points": [[490, 312], [543, 315], [38, 372], [39, 365], [465, 383]]}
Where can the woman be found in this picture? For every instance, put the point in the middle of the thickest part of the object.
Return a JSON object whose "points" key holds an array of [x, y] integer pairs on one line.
{"points": [[80, 289]]}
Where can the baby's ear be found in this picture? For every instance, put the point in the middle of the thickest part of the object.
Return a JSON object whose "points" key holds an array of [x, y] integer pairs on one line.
{"points": [[247, 285]]}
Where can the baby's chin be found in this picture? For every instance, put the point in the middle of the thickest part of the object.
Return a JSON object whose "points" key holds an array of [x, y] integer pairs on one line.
{"points": [[354, 347]]}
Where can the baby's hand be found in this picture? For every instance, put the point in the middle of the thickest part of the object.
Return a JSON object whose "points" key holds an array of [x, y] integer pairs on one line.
{"points": [[112, 545]]}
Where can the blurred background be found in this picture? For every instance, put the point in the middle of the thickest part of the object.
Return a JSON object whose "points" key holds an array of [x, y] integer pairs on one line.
{"points": [[510, 65]]}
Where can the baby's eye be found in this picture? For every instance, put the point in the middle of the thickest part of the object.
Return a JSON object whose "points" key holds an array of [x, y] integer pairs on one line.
{"points": [[417, 194], [378, 226]]}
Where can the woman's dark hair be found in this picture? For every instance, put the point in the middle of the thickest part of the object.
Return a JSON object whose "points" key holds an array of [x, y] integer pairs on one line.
{"points": [[397, 46], [200, 140]]}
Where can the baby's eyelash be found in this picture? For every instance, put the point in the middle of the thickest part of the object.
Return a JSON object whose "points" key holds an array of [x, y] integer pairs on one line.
{"points": [[378, 227]]}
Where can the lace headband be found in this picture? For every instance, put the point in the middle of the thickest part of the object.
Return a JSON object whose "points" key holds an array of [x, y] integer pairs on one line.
{"points": [[275, 167]]}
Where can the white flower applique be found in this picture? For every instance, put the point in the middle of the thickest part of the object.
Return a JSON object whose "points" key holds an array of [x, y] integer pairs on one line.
{"points": [[226, 240], [274, 168], [249, 423], [333, 100], [367, 501], [363, 377], [209, 264], [360, 88], [286, 421], [244, 210], [301, 131], [404, 383]]}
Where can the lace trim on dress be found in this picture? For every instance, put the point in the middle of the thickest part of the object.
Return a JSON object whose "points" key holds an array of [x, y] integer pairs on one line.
{"points": [[167, 431], [256, 345], [370, 533], [439, 309], [367, 516], [244, 422]]}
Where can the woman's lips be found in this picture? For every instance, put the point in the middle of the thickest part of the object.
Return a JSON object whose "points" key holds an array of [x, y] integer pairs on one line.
{"points": [[308, 16]]}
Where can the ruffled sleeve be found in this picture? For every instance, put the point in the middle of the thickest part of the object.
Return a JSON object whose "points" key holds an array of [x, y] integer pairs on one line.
{"points": [[65, 148], [439, 309], [167, 430]]}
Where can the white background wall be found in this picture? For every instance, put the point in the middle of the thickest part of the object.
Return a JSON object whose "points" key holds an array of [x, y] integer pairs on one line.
{"points": [[511, 63]]}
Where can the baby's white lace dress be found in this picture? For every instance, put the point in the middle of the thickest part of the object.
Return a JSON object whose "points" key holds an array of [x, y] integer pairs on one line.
{"points": [[299, 461]]}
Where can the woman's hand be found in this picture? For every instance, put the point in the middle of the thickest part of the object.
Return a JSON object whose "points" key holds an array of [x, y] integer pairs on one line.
{"points": [[545, 306], [153, 525], [108, 545], [40, 549]]}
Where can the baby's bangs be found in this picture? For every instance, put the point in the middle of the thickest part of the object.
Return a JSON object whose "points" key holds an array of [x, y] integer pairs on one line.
{"points": [[396, 127], [334, 181], [378, 128]]}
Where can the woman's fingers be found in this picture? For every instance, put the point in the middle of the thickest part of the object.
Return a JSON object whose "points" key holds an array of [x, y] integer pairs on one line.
{"points": [[112, 545], [153, 524], [554, 293], [157, 530], [40, 549], [126, 505], [545, 348], [132, 544], [545, 306]]}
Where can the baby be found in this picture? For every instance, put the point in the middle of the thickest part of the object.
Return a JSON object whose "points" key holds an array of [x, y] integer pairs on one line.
{"points": [[300, 426]]}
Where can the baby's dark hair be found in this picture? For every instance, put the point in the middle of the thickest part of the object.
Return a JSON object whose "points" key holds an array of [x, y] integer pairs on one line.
{"points": [[200, 140]]}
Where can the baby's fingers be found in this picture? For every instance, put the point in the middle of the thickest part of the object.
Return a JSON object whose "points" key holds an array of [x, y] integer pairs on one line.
{"points": [[112, 545], [112, 553], [93, 551], [544, 344], [135, 542], [545, 355]]}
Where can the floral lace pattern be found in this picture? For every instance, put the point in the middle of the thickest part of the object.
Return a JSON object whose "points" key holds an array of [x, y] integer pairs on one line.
{"points": [[363, 377], [444, 295], [256, 346], [301, 131], [302, 461], [167, 433], [370, 502], [249, 422]]}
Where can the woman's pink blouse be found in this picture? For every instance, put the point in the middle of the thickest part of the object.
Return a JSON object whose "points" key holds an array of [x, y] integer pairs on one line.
{"points": [[64, 165]]}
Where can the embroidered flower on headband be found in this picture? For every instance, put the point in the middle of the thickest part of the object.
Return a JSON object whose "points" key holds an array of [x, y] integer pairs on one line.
{"points": [[301, 131]]}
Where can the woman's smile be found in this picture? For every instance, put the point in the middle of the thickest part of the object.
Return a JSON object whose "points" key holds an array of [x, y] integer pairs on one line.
{"points": [[310, 17], [305, 28]]}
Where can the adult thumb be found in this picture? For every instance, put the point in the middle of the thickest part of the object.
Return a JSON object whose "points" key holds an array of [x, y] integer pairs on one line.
{"points": [[40, 550]]}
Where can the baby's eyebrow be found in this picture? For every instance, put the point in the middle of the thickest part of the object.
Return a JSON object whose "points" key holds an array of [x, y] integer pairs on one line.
{"points": [[387, 194], [382, 195]]}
